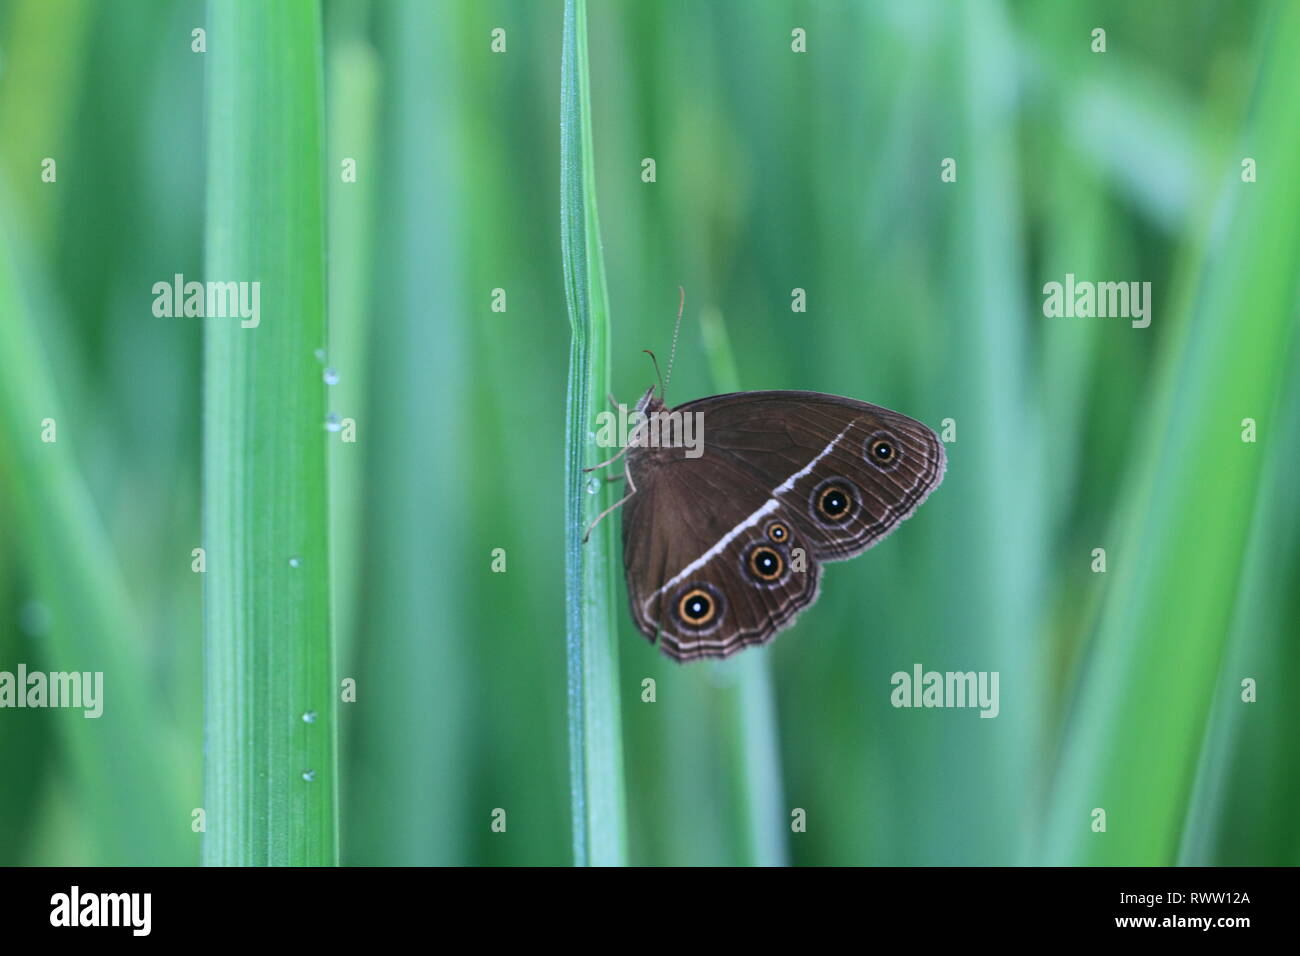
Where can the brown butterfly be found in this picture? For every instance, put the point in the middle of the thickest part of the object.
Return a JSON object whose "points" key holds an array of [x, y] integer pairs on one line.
{"points": [[722, 550]]}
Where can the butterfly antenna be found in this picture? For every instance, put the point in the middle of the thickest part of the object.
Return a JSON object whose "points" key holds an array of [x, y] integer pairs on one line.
{"points": [[657, 372], [681, 307]]}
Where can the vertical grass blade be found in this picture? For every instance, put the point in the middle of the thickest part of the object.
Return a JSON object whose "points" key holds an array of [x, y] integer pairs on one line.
{"points": [[750, 706], [352, 93], [414, 608], [595, 744], [1249, 770], [121, 762], [270, 778], [1149, 688]]}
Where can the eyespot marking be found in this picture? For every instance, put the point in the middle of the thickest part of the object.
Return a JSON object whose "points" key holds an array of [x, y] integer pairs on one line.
{"points": [[699, 607], [882, 449], [834, 501], [765, 563]]}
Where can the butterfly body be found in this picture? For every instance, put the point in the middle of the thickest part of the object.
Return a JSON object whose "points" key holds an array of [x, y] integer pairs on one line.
{"points": [[724, 537]]}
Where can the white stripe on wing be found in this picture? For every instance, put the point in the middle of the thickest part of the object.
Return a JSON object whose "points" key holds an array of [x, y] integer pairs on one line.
{"points": [[766, 508]]}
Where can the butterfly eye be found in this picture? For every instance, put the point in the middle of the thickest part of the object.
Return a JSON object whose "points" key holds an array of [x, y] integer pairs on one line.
{"points": [[697, 608], [778, 532], [833, 501], [882, 450], [765, 563]]}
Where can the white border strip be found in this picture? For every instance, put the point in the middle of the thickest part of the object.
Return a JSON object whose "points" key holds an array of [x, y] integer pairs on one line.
{"points": [[767, 508]]}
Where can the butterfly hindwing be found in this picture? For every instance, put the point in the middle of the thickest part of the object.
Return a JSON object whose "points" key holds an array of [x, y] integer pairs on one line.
{"points": [[747, 575]]}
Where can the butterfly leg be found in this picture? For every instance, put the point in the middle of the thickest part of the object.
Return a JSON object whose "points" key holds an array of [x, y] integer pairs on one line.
{"points": [[608, 461], [631, 491]]}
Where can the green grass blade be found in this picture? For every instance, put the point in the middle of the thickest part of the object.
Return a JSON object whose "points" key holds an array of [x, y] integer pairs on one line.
{"points": [[596, 753], [130, 803], [1249, 769], [270, 780], [1145, 700], [415, 605], [750, 705], [352, 94]]}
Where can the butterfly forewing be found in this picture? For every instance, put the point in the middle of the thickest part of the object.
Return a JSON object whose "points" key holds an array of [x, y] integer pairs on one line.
{"points": [[805, 445]]}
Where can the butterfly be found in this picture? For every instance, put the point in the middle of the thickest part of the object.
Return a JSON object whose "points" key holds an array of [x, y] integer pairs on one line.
{"points": [[724, 538]]}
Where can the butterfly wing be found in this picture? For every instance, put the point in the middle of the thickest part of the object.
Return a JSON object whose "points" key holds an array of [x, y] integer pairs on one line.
{"points": [[723, 550], [683, 543]]}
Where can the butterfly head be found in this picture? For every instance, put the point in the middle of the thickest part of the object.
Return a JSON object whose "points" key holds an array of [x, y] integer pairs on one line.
{"points": [[650, 403]]}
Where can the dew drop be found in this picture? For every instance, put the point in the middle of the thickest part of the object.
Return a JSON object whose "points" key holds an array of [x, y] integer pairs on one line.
{"points": [[333, 422], [309, 775], [320, 355], [295, 562], [331, 376], [309, 717], [593, 486]]}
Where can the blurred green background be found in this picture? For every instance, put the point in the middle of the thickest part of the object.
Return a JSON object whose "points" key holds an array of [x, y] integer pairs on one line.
{"points": [[776, 170]]}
